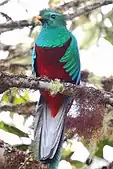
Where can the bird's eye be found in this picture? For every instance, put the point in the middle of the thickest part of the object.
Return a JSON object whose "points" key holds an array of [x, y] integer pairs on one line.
{"points": [[53, 16]]}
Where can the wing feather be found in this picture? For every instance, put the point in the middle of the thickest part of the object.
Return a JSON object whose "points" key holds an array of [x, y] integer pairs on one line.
{"points": [[72, 60]]}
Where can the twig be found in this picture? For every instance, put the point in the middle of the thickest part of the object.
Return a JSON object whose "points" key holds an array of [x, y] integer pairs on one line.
{"points": [[4, 2], [89, 8], [13, 25], [68, 5], [27, 108], [16, 24], [8, 18]]}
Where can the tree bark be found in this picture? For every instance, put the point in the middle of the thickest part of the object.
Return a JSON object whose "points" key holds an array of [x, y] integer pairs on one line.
{"points": [[8, 80]]}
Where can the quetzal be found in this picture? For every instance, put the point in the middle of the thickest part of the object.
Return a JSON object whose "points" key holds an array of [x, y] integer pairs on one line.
{"points": [[55, 55]]}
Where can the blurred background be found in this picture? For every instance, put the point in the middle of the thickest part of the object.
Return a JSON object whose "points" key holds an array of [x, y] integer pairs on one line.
{"points": [[92, 23]]}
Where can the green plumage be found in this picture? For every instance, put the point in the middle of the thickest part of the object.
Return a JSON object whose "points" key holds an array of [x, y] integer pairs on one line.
{"points": [[53, 37], [49, 131], [71, 58]]}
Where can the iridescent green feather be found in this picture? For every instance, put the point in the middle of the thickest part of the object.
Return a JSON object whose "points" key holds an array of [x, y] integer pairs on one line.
{"points": [[53, 37], [68, 64], [71, 58]]}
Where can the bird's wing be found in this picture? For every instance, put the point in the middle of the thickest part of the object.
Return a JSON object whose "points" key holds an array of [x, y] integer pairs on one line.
{"points": [[72, 59]]}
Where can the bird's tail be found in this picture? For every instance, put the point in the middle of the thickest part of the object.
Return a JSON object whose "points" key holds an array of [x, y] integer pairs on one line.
{"points": [[48, 134]]}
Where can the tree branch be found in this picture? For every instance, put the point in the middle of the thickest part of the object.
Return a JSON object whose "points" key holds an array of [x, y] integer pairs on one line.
{"points": [[27, 108], [4, 2], [20, 81], [78, 12], [70, 4], [14, 25], [89, 8]]}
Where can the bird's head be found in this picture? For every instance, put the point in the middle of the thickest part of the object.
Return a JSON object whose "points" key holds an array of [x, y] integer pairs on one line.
{"points": [[51, 18]]}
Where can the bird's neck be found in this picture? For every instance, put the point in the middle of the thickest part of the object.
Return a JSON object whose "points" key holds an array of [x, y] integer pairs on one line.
{"points": [[52, 37]]}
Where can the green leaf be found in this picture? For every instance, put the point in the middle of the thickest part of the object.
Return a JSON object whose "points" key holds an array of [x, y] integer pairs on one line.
{"points": [[21, 98], [77, 164], [12, 129], [18, 100], [26, 96], [66, 153], [13, 96], [5, 97], [100, 145]]}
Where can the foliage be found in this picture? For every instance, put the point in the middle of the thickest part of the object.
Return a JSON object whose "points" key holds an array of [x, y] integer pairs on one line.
{"points": [[12, 129]]}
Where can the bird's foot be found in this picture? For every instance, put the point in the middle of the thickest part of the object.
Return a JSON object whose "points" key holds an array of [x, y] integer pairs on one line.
{"points": [[56, 87]]}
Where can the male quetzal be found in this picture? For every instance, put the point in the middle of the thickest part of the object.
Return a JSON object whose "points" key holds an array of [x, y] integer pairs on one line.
{"points": [[56, 56]]}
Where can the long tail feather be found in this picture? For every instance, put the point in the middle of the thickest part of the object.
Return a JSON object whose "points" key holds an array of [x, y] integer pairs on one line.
{"points": [[48, 134]]}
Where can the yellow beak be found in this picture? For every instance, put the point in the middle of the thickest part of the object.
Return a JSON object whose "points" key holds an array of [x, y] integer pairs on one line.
{"points": [[39, 18]]}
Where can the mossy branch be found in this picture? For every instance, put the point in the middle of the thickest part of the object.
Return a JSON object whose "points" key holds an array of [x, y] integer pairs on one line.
{"points": [[8, 80]]}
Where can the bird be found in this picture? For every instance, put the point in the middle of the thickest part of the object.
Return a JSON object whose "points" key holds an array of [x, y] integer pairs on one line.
{"points": [[55, 55]]}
